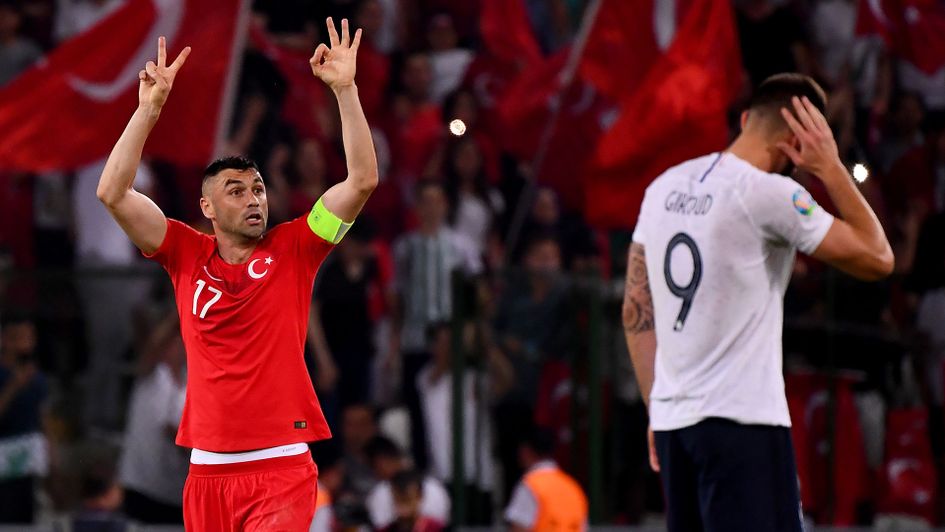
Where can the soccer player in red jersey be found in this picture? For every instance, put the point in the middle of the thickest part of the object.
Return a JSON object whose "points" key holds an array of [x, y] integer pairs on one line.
{"points": [[243, 295]]}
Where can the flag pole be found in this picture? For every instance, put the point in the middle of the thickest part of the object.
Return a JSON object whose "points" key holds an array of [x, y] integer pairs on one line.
{"points": [[565, 78]]}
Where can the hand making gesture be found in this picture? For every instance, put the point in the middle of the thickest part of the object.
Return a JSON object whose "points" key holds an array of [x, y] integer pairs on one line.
{"points": [[336, 65], [156, 79]]}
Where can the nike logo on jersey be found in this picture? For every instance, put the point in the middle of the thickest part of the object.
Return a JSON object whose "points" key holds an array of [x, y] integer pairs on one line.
{"points": [[252, 265]]}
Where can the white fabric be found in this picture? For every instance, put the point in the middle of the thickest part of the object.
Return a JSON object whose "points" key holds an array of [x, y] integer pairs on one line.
{"points": [[151, 463], [99, 238], [199, 456], [928, 86], [76, 16], [437, 404], [523, 507], [323, 520], [434, 505], [449, 68], [832, 25], [929, 323], [24, 455], [725, 359]]}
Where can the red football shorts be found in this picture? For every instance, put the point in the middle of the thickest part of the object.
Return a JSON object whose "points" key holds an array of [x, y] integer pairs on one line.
{"points": [[272, 494]]}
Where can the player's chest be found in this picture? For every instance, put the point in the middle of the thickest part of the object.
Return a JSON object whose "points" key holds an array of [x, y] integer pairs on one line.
{"points": [[216, 289]]}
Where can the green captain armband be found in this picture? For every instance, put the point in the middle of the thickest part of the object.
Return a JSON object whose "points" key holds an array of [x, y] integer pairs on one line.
{"points": [[325, 224]]}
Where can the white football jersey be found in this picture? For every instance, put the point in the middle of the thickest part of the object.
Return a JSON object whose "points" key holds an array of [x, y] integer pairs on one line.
{"points": [[720, 237]]}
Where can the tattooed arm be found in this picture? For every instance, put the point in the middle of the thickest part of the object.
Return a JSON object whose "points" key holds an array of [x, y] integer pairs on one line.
{"points": [[638, 320]]}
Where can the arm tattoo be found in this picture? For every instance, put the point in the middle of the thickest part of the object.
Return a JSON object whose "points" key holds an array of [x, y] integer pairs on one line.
{"points": [[637, 301]]}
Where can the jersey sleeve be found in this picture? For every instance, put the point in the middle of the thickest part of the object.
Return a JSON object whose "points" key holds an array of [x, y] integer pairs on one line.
{"points": [[180, 242], [784, 212], [318, 233]]}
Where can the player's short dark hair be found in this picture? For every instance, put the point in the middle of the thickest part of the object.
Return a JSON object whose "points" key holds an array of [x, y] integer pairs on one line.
{"points": [[541, 440], [233, 162], [404, 480], [382, 447], [776, 92]]}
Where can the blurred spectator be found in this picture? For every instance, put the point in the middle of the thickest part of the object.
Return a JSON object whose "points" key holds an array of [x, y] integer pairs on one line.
{"points": [[832, 33], [101, 501], [16, 52], [547, 497], [374, 69], [311, 181], [387, 461], [76, 16], [435, 383], [475, 206], [415, 126], [772, 39], [447, 59], [462, 105], [346, 286], [23, 390], [574, 237], [358, 428], [531, 326], [101, 245], [408, 496], [152, 468], [425, 260], [331, 472], [903, 130]]}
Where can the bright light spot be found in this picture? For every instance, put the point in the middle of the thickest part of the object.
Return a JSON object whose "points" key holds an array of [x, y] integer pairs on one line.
{"points": [[860, 172], [457, 127]]}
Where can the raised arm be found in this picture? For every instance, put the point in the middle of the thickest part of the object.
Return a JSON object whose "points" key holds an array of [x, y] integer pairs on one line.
{"points": [[336, 67], [137, 215]]}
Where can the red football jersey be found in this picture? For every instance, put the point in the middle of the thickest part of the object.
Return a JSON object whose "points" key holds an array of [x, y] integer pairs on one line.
{"points": [[244, 327]]}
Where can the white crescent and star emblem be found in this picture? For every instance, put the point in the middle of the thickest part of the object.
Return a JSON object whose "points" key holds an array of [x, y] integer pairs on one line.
{"points": [[252, 272]]}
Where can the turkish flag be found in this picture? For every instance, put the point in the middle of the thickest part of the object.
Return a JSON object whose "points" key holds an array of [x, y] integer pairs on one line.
{"points": [[507, 32], [679, 111], [914, 29], [71, 108]]}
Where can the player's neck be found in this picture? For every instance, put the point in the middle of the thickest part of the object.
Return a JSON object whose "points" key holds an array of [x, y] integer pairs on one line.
{"points": [[234, 249], [756, 152]]}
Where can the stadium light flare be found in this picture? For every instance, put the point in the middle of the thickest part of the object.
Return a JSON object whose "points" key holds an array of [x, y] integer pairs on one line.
{"points": [[860, 172], [457, 127]]}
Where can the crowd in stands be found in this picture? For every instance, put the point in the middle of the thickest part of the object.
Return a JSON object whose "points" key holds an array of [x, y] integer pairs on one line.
{"points": [[90, 360]]}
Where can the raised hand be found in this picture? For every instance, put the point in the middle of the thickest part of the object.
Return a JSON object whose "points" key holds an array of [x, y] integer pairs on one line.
{"points": [[817, 151], [156, 80], [336, 65]]}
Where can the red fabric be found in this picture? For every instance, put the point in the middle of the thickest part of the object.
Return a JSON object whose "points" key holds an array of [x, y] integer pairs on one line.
{"points": [[244, 328], [914, 29], [415, 140], [507, 32], [306, 96], [264, 495], [808, 400], [678, 112], [623, 29], [373, 77], [49, 120], [910, 485], [525, 108]]}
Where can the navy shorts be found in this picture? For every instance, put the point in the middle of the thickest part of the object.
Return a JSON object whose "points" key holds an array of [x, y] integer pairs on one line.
{"points": [[722, 476]]}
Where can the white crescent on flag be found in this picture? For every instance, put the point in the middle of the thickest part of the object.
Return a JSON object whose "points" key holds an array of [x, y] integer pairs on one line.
{"points": [[168, 17]]}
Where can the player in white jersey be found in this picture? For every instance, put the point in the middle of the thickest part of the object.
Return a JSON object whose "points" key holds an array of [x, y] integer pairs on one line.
{"points": [[711, 257]]}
